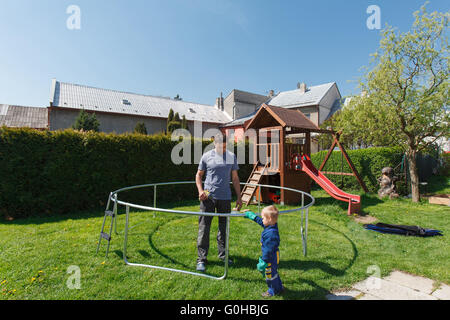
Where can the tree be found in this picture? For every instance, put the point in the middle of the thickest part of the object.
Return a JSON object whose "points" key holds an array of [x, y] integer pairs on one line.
{"points": [[140, 128], [405, 93], [86, 122], [169, 119], [172, 126], [170, 116], [173, 122], [184, 124]]}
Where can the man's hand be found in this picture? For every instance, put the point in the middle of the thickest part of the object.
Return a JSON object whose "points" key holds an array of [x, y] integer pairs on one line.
{"points": [[237, 188], [202, 196], [239, 203]]}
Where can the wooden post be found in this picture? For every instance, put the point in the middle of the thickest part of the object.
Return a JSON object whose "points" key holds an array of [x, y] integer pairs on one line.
{"points": [[308, 143], [330, 151], [282, 164], [347, 158], [350, 163]]}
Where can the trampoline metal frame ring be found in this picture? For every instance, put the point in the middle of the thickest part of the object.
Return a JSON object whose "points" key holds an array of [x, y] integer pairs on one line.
{"points": [[113, 197]]}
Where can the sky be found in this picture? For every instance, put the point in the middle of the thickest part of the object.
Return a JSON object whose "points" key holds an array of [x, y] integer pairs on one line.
{"points": [[194, 48]]}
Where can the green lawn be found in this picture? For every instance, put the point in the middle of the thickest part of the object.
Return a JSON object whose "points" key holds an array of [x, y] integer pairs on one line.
{"points": [[35, 253]]}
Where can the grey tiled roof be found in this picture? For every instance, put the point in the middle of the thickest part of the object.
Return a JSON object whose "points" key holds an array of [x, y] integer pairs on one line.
{"points": [[76, 96], [335, 107], [18, 116], [239, 122], [295, 98], [248, 97]]}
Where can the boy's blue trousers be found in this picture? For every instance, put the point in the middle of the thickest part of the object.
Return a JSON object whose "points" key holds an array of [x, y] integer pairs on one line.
{"points": [[272, 277]]}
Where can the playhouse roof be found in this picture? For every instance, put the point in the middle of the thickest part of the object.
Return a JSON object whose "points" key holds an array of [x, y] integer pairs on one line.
{"points": [[268, 116]]}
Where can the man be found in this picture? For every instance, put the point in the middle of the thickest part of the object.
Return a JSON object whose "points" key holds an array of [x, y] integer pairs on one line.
{"points": [[219, 165]]}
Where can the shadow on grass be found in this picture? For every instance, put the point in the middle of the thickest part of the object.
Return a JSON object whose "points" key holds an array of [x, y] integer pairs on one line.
{"points": [[366, 202], [90, 213], [241, 262], [87, 214], [436, 185]]}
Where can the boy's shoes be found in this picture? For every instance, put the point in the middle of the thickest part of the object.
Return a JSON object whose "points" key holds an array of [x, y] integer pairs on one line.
{"points": [[267, 294], [201, 267]]}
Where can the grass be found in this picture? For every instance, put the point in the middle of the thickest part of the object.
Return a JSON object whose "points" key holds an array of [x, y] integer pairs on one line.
{"points": [[36, 253]]}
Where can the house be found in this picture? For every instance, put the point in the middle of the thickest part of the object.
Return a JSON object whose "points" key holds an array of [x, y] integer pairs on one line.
{"points": [[19, 116], [240, 103], [240, 106], [318, 103], [119, 111]]}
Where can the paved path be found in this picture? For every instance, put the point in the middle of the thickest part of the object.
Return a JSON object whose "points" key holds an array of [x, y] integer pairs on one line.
{"points": [[397, 286]]}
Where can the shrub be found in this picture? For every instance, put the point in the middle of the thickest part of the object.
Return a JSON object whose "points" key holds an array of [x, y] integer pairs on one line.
{"points": [[56, 172], [445, 169], [368, 162], [86, 122], [140, 128]]}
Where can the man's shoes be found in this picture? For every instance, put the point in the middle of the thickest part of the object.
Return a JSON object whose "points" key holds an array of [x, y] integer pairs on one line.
{"points": [[230, 262], [201, 266]]}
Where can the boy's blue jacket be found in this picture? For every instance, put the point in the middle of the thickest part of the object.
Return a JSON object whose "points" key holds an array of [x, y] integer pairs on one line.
{"points": [[270, 240]]}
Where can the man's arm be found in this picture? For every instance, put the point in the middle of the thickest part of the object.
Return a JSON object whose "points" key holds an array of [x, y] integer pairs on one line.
{"points": [[199, 182], [237, 188]]}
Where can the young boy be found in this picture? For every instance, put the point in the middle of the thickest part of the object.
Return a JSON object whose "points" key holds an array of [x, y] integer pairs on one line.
{"points": [[270, 240]]}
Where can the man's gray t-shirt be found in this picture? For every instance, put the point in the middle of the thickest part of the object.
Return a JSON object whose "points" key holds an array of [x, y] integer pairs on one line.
{"points": [[218, 169]]}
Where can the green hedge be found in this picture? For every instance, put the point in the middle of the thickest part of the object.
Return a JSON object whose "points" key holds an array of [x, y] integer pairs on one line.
{"points": [[368, 162], [55, 172]]}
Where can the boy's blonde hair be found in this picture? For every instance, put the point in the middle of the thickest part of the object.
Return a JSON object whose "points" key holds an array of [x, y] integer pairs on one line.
{"points": [[270, 211]]}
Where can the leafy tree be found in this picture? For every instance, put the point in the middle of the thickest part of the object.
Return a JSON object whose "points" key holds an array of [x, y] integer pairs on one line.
{"points": [[173, 122], [170, 116], [405, 92], [140, 128], [86, 122], [184, 124], [172, 126], [169, 119]]}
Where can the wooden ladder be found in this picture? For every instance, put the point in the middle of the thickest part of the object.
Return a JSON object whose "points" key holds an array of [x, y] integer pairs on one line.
{"points": [[254, 178]]}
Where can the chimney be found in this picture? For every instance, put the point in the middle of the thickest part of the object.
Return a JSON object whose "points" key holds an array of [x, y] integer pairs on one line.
{"points": [[301, 87], [219, 102]]}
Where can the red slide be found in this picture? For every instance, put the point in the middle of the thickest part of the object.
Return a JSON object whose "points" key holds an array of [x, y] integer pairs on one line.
{"points": [[354, 201]]}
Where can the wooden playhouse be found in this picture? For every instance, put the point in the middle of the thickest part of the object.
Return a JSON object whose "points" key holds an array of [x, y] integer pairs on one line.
{"points": [[280, 136]]}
